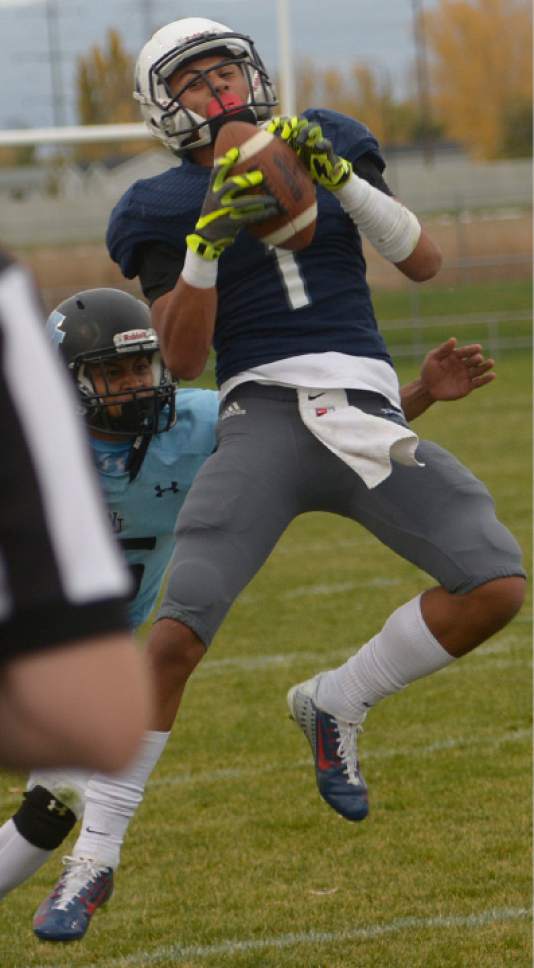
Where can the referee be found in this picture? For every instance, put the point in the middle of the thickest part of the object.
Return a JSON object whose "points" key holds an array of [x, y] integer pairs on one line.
{"points": [[73, 690]]}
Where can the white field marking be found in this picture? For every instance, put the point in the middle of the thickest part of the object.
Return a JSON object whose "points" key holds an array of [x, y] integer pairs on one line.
{"points": [[253, 663], [336, 588], [327, 588], [281, 661], [456, 668], [239, 773], [212, 666], [503, 644], [306, 547], [413, 752], [177, 953]]}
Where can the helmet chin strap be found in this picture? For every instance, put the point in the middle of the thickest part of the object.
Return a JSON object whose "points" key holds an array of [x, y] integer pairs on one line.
{"points": [[137, 456]]}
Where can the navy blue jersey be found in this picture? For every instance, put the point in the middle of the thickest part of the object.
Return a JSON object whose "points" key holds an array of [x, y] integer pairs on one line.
{"points": [[273, 303]]}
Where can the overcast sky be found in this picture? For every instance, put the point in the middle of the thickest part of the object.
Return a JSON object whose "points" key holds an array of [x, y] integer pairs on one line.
{"points": [[333, 32]]}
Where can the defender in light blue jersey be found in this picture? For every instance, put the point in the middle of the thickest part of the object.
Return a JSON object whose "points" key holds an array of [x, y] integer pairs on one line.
{"points": [[143, 511], [149, 440]]}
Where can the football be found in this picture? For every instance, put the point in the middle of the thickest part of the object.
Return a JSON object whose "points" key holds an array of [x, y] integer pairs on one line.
{"points": [[284, 177]]}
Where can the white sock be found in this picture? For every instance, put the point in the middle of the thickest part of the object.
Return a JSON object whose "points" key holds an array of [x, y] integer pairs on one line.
{"points": [[18, 858], [111, 801], [403, 650]]}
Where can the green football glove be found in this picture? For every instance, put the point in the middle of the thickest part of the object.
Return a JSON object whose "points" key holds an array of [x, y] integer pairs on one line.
{"points": [[227, 208], [315, 151]]}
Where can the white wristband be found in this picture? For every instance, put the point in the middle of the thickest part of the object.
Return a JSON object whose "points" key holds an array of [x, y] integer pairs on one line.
{"points": [[198, 272], [390, 227]]}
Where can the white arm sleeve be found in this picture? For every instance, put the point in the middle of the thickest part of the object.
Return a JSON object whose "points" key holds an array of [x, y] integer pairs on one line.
{"points": [[390, 227]]}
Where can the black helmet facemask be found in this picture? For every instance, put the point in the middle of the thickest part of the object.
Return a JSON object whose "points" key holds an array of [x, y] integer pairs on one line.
{"points": [[147, 410]]}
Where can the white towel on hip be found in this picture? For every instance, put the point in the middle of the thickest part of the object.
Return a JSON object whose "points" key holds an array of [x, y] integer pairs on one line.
{"points": [[366, 442]]}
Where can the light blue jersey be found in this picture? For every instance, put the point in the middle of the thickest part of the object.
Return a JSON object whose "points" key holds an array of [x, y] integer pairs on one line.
{"points": [[143, 512]]}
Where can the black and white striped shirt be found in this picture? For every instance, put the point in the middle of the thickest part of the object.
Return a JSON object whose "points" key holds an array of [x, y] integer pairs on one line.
{"points": [[61, 577]]}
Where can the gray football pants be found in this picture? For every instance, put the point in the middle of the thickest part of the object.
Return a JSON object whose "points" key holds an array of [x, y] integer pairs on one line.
{"points": [[269, 468]]}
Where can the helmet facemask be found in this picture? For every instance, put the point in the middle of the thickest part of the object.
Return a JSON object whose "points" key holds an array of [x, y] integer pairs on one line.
{"points": [[226, 108], [146, 411]]}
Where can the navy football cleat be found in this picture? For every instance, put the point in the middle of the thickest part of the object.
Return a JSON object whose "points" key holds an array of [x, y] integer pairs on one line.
{"points": [[334, 748], [67, 911]]}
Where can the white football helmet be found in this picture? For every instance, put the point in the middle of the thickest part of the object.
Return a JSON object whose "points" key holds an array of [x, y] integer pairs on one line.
{"points": [[172, 47]]}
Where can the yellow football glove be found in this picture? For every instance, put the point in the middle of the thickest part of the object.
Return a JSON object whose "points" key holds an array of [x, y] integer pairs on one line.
{"points": [[314, 150], [226, 208]]}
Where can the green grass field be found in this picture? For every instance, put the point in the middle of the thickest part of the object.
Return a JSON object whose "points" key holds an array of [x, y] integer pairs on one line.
{"points": [[235, 862]]}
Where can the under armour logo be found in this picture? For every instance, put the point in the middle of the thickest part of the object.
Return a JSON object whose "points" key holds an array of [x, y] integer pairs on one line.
{"points": [[160, 491], [56, 807]]}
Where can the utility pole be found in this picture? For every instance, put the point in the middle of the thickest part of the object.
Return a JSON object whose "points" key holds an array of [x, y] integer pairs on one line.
{"points": [[147, 11], [287, 74], [423, 84], [54, 58]]}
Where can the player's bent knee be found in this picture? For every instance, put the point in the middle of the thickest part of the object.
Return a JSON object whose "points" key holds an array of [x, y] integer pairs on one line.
{"points": [[501, 598], [174, 647], [199, 593]]}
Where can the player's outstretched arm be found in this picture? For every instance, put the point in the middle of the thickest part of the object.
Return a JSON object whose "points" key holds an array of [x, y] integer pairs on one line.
{"points": [[185, 317], [448, 372], [389, 226]]}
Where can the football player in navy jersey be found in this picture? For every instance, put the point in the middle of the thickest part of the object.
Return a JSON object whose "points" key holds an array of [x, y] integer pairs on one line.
{"points": [[148, 442], [312, 417]]}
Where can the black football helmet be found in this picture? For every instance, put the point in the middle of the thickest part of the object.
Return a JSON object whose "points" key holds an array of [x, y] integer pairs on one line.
{"points": [[95, 327]]}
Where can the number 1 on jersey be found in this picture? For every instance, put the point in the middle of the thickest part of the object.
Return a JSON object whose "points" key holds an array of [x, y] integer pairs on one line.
{"points": [[292, 279]]}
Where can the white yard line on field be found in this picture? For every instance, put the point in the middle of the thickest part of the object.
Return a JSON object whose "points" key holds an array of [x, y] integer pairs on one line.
{"points": [[470, 742], [413, 752], [212, 666], [217, 667], [178, 953], [323, 589]]}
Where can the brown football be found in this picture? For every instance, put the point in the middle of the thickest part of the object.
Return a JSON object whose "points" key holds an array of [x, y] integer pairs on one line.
{"points": [[284, 177]]}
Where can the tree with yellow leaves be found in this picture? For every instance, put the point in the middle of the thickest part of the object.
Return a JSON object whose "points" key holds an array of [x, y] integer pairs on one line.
{"points": [[105, 83], [365, 93], [482, 73]]}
